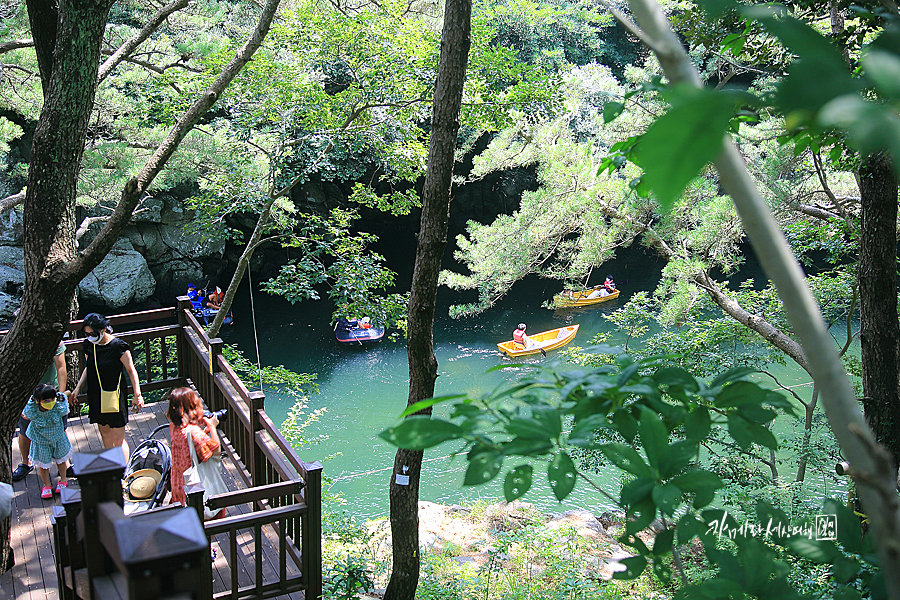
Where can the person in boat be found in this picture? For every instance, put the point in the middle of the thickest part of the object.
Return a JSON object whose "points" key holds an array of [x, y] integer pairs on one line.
{"points": [[520, 337], [211, 301], [608, 287], [195, 297], [347, 324], [220, 295]]}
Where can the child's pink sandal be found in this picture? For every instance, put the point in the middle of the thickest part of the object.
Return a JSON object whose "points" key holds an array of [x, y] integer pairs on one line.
{"points": [[47, 492], [59, 486]]}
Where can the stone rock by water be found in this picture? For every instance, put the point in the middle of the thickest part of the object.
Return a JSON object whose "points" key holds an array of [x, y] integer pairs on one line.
{"points": [[122, 278], [583, 521]]}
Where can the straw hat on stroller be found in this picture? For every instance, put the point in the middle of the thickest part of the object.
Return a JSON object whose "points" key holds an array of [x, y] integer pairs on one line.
{"points": [[141, 485]]}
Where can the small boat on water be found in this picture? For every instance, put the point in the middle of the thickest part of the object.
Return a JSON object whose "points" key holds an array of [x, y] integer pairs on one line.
{"points": [[583, 298], [357, 332], [546, 340]]}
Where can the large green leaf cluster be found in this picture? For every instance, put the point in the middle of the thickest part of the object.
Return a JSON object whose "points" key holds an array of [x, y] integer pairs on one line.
{"points": [[652, 422]]}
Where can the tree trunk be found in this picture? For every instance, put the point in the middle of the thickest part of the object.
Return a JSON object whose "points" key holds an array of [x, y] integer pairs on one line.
{"points": [[404, 512], [242, 264], [68, 63], [807, 434], [879, 326]]}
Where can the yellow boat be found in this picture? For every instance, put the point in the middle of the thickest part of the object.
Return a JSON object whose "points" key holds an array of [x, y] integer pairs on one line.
{"points": [[582, 298], [546, 340]]}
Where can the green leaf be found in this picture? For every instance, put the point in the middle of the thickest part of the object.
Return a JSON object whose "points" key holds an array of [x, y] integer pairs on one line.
{"points": [[518, 481], [561, 473], [689, 527], [731, 375], [667, 498], [627, 373], [634, 566], [611, 110], [679, 455], [529, 429], [639, 516], [549, 418], [584, 432], [697, 424], [625, 423], [703, 484], [429, 402], [676, 376], [663, 542], [637, 491], [819, 551], [845, 570], [661, 570], [883, 68], [419, 433], [654, 437], [683, 141], [483, 467], [746, 433], [524, 447], [626, 458], [738, 393], [870, 127], [848, 529]]}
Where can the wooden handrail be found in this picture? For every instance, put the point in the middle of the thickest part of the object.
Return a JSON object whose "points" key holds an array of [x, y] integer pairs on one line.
{"points": [[264, 492], [226, 368], [135, 317], [248, 520], [286, 449]]}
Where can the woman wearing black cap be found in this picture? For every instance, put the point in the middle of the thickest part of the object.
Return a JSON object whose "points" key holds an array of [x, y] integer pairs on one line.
{"points": [[105, 356]]}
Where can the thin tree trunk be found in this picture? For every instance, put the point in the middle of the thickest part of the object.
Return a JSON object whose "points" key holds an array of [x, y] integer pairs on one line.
{"points": [[242, 264], [807, 434], [879, 325], [404, 495]]}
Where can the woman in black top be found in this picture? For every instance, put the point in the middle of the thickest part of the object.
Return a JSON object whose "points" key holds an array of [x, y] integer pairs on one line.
{"points": [[108, 354]]}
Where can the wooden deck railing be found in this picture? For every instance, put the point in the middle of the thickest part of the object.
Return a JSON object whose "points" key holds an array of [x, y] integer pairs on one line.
{"points": [[286, 493]]}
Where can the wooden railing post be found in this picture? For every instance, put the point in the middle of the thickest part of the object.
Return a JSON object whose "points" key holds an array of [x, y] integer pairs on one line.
{"points": [[194, 495], [60, 551], [312, 531], [73, 544], [100, 479], [181, 348], [160, 553], [256, 460]]}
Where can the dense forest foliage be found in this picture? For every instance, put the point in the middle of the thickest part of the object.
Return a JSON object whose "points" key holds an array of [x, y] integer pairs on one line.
{"points": [[626, 144]]}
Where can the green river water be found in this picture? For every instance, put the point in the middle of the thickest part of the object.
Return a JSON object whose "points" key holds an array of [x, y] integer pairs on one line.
{"points": [[365, 390]]}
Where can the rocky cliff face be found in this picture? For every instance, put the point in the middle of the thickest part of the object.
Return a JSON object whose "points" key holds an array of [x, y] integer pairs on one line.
{"points": [[163, 250], [159, 254]]}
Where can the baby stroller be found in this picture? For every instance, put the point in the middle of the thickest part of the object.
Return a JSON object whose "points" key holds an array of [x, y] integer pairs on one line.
{"points": [[147, 474]]}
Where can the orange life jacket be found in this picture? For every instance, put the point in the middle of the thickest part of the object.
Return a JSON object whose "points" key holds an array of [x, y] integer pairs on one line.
{"points": [[519, 336]]}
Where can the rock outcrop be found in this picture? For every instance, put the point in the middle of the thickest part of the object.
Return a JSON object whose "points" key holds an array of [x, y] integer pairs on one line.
{"points": [[122, 278]]}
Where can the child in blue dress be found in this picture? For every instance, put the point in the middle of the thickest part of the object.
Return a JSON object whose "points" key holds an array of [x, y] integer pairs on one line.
{"points": [[47, 408]]}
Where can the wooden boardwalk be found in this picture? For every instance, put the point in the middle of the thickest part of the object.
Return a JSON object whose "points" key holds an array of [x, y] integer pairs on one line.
{"points": [[34, 575]]}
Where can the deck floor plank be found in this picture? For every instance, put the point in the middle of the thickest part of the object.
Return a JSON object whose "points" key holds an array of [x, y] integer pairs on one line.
{"points": [[33, 576]]}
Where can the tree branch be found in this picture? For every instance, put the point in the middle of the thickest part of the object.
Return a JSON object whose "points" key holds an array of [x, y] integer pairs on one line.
{"points": [[137, 39], [11, 201], [137, 186], [15, 45], [873, 473]]}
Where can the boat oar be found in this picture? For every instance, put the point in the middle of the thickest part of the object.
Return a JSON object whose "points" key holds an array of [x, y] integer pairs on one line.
{"points": [[544, 354]]}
